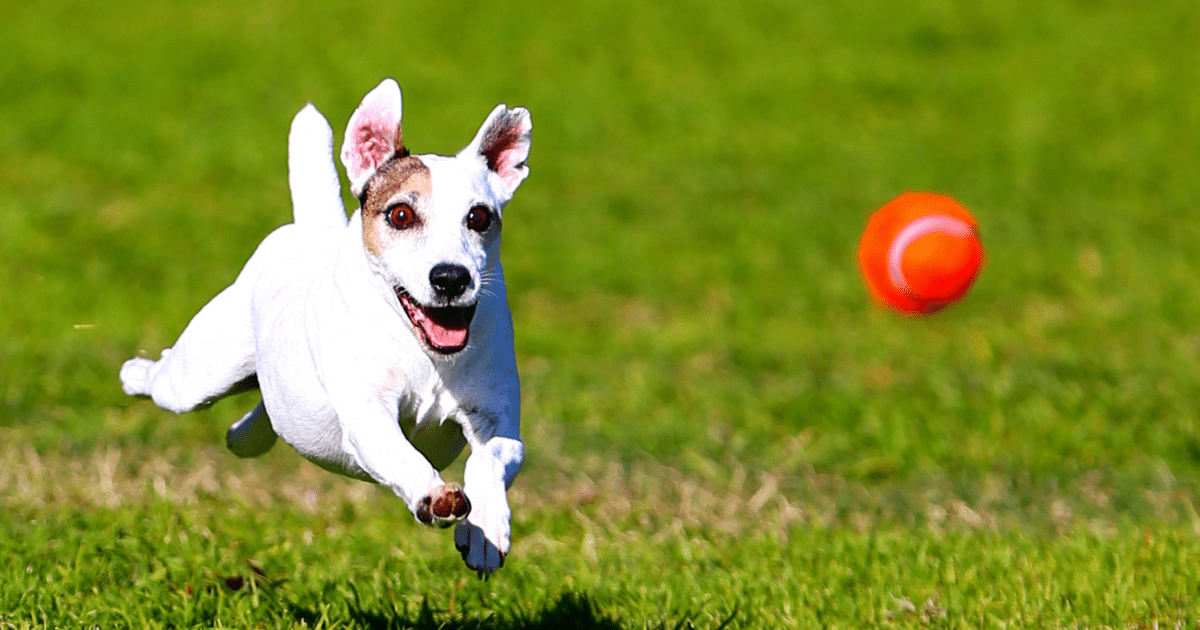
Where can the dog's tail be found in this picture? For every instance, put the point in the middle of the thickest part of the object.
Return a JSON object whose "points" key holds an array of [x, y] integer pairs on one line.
{"points": [[316, 189]]}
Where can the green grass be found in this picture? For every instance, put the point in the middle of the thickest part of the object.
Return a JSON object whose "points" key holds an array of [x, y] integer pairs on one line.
{"points": [[721, 430]]}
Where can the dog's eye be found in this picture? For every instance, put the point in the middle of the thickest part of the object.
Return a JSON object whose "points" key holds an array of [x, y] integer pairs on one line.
{"points": [[401, 216], [479, 219]]}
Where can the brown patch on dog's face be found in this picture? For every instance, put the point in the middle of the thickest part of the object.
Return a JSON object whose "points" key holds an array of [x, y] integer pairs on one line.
{"points": [[406, 180]]}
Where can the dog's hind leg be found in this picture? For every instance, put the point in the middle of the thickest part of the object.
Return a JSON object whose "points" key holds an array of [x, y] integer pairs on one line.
{"points": [[252, 435], [214, 357]]}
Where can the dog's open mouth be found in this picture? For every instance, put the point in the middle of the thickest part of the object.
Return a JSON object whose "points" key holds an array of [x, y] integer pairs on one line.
{"points": [[444, 329]]}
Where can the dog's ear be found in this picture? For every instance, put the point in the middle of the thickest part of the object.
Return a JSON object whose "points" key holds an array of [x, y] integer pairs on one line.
{"points": [[503, 144], [373, 134]]}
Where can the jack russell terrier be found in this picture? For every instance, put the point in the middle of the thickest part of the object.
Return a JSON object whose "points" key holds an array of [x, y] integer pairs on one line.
{"points": [[381, 345]]}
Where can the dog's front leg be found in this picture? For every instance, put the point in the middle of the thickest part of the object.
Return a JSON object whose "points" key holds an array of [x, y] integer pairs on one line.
{"points": [[376, 443], [484, 538]]}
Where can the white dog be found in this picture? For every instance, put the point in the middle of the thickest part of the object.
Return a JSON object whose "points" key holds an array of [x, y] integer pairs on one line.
{"points": [[383, 345]]}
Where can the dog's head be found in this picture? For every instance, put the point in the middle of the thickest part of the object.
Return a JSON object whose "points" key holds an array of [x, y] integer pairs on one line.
{"points": [[431, 224]]}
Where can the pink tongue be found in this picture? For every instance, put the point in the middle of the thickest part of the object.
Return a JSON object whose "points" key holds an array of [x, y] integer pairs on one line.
{"points": [[444, 328], [440, 335]]}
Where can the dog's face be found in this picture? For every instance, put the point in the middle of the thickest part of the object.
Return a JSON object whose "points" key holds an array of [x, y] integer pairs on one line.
{"points": [[431, 224]]}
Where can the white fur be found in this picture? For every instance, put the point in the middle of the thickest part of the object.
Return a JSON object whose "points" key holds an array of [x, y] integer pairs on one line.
{"points": [[316, 191], [344, 378]]}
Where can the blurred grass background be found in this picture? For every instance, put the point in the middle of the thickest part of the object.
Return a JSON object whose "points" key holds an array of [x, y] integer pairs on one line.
{"points": [[681, 261], [682, 265]]}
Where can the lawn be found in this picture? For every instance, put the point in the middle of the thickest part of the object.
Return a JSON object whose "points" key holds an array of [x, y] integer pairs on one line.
{"points": [[721, 430]]}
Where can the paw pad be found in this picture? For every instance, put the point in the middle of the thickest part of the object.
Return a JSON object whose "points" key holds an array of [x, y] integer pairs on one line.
{"points": [[444, 506]]}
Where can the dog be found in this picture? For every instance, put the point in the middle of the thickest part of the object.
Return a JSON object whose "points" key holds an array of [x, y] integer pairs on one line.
{"points": [[382, 345]]}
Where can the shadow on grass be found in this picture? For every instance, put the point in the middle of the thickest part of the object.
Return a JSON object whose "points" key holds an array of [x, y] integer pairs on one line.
{"points": [[572, 610]]}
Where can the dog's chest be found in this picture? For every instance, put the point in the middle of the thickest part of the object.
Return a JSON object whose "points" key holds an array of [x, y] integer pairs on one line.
{"points": [[430, 418]]}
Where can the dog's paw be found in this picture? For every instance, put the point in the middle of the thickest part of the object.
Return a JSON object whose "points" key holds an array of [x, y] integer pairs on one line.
{"points": [[135, 376], [444, 506], [483, 551], [252, 435]]}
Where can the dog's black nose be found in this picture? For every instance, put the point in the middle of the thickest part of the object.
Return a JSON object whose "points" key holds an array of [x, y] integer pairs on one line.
{"points": [[449, 281]]}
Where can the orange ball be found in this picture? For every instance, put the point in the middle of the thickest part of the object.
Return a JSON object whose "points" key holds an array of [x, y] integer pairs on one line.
{"points": [[920, 252]]}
